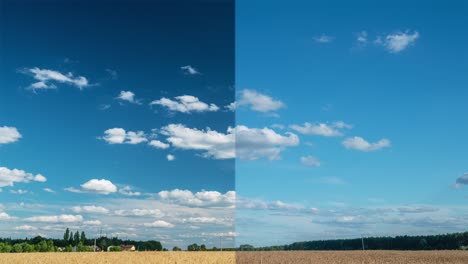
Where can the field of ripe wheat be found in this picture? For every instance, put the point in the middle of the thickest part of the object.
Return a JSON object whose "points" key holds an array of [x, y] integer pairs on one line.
{"points": [[353, 257], [283, 257], [120, 257]]}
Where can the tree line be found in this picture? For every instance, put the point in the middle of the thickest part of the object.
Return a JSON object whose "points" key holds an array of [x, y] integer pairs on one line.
{"points": [[451, 241], [73, 241]]}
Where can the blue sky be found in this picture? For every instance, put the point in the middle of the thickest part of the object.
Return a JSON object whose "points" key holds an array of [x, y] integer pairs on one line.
{"points": [[383, 88], [340, 120], [91, 95]]}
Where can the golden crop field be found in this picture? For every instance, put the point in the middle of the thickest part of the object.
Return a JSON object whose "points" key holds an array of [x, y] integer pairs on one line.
{"points": [[290, 257], [353, 257], [120, 257]]}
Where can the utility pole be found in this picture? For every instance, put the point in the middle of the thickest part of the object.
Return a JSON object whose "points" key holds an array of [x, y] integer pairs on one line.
{"points": [[362, 241]]}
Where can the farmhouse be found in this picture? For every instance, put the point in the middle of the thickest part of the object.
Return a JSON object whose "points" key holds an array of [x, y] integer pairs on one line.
{"points": [[128, 247]]}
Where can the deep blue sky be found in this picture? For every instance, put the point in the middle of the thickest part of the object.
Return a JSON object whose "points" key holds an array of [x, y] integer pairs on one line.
{"points": [[145, 43]]}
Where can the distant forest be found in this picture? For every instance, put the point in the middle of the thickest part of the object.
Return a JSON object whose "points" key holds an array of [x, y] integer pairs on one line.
{"points": [[431, 242]]}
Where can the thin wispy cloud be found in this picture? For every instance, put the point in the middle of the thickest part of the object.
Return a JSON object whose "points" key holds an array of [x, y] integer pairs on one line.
{"points": [[399, 41], [48, 79], [258, 102], [323, 39], [189, 70], [310, 161], [334, 129]]}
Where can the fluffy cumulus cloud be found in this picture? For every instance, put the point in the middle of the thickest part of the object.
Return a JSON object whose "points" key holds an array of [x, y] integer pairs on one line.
{"points": [[25, 228], [56, 218], [213, 144], [158, 144], [310, 161], [120, 136], [322, 129], [187, 69], [185, 104], [90, 209], [247, 143], [128, 96], [8, 177], [358, 143], [461, 181], [47, 79], [101, 186], [258, 102], [170, 157], [160, 224], [399, 41], [9, 135], [198, 199], [255, 143]]}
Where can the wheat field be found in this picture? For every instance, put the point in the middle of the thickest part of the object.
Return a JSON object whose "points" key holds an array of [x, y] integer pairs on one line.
{"points": [[120, 257], [288, 257], [353, 257]]}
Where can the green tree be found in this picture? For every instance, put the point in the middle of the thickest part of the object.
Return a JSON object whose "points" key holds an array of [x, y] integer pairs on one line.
{"points": [[70, 239], [203, 247], [176, 249], [17, 248], [76, 238], [83, 237], [66, 236]]}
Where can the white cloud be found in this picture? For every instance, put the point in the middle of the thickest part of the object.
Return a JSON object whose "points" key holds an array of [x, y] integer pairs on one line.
{"points": [[129, 97], [185, 104], [46, 78], [170, 157], [99, 186], [259, 102], [92, 222], [19, 191], [5, 216], [95, 186], [255, 143], [48, 190], [120, 136], [322, 129], [358, 143], [199, 199], [9, 135], [247, 143], [159, 223], [231, 107], [189, 70], [461, 181], [323, 39], [56, 219], [361, 38], [25, 228], [140, 212], [214, 144], [9, 177], [399, 41], [158, 144], [310, 161], [127, 190], [90, 209]]}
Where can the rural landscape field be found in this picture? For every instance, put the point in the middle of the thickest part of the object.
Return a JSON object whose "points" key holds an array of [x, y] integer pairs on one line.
{"points": [[268, 257], [353, 257]]}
